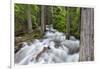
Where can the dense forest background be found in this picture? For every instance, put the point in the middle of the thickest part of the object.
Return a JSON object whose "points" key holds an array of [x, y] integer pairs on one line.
{"points": [[29, 19]]}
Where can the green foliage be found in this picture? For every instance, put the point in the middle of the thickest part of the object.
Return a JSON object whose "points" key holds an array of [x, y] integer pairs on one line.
{"points": [[19, 16], [59, 18]]}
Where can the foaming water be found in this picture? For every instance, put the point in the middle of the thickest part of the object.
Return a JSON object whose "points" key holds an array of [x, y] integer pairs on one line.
{"points": [[55, 48]]}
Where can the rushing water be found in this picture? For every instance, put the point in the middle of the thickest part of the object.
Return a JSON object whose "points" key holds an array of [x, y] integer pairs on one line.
{"points": [[53, 48]]}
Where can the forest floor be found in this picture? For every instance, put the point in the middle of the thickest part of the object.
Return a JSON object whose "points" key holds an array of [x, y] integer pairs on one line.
{"points": [[27, 37]]}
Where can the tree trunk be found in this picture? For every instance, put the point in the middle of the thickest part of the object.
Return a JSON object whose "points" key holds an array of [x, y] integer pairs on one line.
{"points": [[68, 22], [51, 19], [87, 35], [47, 14], [42, 19], [29, 21]]}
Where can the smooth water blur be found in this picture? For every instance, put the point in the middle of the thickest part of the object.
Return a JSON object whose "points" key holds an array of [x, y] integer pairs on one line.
{"points": [[54, 48]]}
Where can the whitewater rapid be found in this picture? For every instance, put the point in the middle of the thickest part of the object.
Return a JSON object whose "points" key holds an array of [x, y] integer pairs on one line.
{"points": [[53, 48]]}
